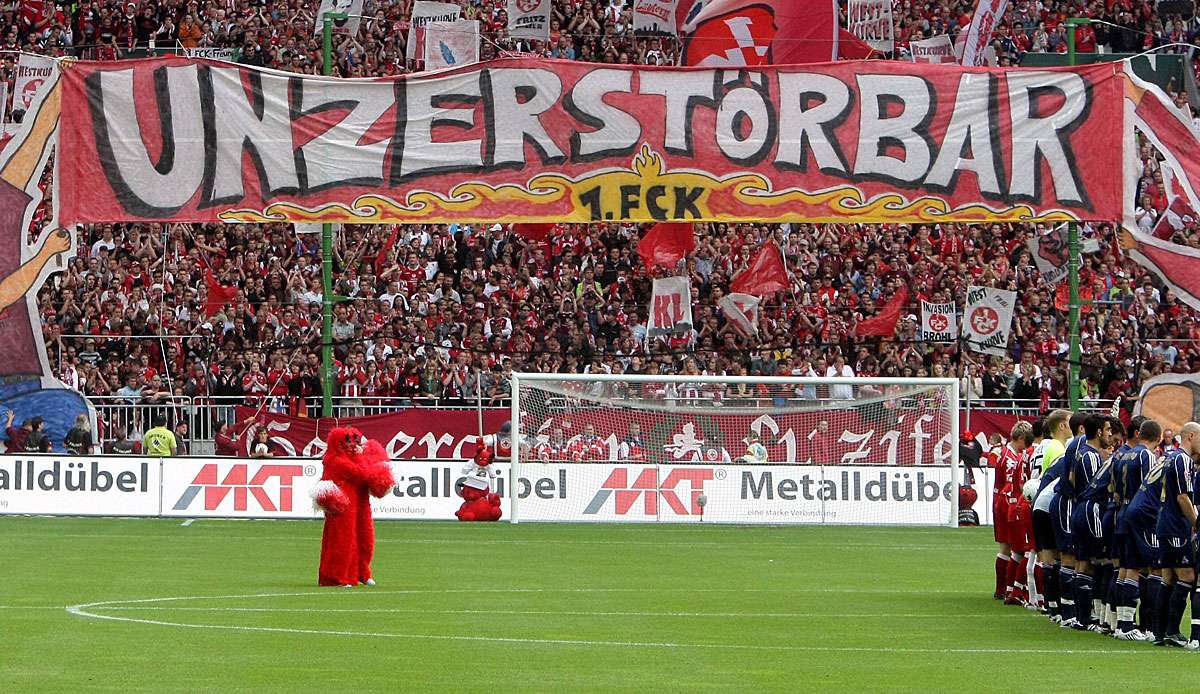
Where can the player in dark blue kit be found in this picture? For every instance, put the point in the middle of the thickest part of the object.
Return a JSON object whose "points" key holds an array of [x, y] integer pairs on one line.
{"points": [[1176, 527], [1060, 511], [1087, 507], [1135, 527]]}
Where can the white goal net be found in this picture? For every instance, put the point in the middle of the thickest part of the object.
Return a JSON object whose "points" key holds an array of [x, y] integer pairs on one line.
{"points": [[614, 448]]}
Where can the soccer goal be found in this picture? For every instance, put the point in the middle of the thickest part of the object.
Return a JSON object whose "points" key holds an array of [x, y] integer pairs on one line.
{"points": [[734, 449]]}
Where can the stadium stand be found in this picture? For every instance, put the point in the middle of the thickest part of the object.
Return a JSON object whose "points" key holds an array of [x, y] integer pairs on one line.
{"points": [[433, 308]]}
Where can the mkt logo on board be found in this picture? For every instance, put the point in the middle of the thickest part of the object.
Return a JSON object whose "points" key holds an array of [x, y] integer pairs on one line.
{"points": [[270, 487], [646, 486]]}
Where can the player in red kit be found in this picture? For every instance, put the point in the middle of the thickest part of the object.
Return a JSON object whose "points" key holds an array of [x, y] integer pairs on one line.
{"points": [[999, 515], [1016, 464]]}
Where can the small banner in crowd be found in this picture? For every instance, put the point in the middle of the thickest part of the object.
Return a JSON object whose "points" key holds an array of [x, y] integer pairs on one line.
{"points": [[32, 72], [654, 17], [529, 19], [742, 311], [353, 10], [987, 319], [939, 323], [871, 21], [988, 15], [1172, 400], [1178, 215], [1050, 253], [935, 49], [450, 44], [670, 307], [424, 12]]}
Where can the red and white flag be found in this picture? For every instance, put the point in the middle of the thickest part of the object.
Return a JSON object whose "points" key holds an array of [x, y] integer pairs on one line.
{"points": [[670, 307], [766, 273], [742, 311], [1178, 215], [737, 33], [988, 14], [1177, 266]]}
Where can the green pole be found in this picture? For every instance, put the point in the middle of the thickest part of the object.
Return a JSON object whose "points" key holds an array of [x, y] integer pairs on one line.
{"points": [[327, 376], [1073, 250]]}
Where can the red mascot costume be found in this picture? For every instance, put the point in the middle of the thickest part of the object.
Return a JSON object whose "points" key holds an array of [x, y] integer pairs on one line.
{"points": [[479, 502], [354, 470]]}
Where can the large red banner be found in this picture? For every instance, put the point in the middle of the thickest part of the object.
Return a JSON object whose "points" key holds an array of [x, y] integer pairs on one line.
{"points": [[551, 141], [847, 436]]}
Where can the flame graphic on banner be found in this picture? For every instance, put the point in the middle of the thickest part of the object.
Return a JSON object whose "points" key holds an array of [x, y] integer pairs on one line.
{"points": [[557, 197]]}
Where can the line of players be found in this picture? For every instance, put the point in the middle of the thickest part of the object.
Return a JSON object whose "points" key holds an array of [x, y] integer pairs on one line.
{"points": [[1111, 516]]}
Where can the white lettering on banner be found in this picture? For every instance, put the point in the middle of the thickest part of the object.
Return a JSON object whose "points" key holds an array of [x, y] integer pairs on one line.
{"points": [[987, 319], [939, 323], [103, 486], [871, 21]]}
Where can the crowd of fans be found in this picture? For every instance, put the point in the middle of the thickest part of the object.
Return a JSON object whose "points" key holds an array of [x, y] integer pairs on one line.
{"points": [[438, 312]]}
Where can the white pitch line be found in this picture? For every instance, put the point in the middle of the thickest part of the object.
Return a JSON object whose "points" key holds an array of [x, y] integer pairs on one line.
{"points": [[188, 522], [568, 613], [495, 541], [83, 611]]}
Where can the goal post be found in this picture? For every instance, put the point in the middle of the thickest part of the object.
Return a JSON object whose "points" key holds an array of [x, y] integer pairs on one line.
{"points": [[734, 449]]}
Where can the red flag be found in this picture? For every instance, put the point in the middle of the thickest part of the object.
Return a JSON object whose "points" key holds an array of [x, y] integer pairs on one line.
{"points": [[533, 232], [766, 273], [734, 33], [381, 257], [1178, 266], [666, 243], [218, 295], [883, 324], [850, 47], [1062, 297]]}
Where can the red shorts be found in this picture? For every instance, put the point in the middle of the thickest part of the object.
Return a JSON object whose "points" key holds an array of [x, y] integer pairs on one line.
{"points": [[1020, 529], [1000, 525]]}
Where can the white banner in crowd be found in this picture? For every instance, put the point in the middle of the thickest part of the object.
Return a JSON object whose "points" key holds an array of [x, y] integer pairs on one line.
{"points": [[349, 25], [79, 486], [742, 309], [529, 19], [987, 319], [279, 488], [449, 44], [670, 307], [424, 12], [654, 17], [32, 73], [939, 323], [871, 21], [978, 36], [936, 49]]}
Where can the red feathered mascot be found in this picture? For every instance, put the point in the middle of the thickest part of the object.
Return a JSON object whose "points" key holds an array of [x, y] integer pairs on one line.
{"points": [[354, 470], [480, 503]]}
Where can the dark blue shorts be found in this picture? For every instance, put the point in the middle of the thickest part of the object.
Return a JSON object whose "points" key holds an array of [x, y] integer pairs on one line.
{"points": [[1138, 547], [1088, 531], [1175, 552], [1060, 511]]}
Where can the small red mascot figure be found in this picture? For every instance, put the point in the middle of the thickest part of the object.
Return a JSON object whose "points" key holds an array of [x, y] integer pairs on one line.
{"points": [[479, 502], [354, 470]]}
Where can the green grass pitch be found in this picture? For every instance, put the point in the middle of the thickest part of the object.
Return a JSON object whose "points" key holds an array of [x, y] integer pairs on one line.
{"points": [[232, 605]]}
